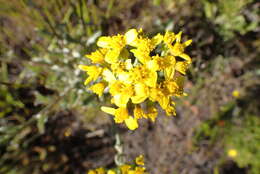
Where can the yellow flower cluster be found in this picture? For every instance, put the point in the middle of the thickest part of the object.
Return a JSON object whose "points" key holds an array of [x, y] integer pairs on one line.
{"points": [[138, 72], [137, 168]]}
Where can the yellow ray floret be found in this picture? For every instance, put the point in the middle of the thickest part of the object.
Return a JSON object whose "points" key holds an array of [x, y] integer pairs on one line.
{"points": [[98, 88], [140, 160], [92, 71]]}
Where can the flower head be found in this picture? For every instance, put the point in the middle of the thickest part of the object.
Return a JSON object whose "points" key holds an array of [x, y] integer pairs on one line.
{"points": [[236, 94], [138, 72], [139, 160], [137, 168]]}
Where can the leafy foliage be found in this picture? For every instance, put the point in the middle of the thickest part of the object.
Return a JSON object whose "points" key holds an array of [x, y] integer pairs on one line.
{"points": [[229, 16]]}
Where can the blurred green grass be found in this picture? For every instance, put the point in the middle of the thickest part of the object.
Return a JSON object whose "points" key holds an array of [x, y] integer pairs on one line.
{"points": [[42, 42]]}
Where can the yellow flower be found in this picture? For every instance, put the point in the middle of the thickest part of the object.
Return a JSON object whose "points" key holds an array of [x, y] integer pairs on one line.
{"points": [[180, 82], [150, 75], [98, 88], [139, 160], [144, 75], [126, 77], [108, 76], [138, 112], [142, 52], [121, 93], [182, 67], [156, 40], [139, 170], [160, 63], [131, 123], [121, 99], [141, 55], [114, 42], [121, 114], [98, 56], [141, 93], [131, 37], [171, 85], [114, 45], [170, 110], [100, 170], [93, 72], [169, 71], [232, 153], [112, 56], [131, 172], [236, 94], [111, 172], [169, 37], [155, 94], [124, 168], [178, 48], [118, 67], [92, 172], [152, 113]]}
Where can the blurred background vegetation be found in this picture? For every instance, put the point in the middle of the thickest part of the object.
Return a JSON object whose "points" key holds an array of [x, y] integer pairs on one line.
{"points": [[49, 123]]}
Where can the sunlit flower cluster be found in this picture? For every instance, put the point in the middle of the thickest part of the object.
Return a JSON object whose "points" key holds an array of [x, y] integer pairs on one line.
{"points": [[137, 168], [138, 72]]}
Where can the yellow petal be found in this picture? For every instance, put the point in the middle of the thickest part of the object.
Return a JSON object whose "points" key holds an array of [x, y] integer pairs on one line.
{"points": [[111, 172], [124, 168], [187, 43], [141, 93], [142, 56], [138, 99], [164, 101], [121, 99], [131, 123], [152, 79], [169, 72], [98, 88], [152, 65], [125, 77], [177, 49], [121, 115], [169, 37], [131, 172], [92, 172], [103, 42], [140, 170], [131, 36], [182, 67], [157, 39], [178, 37], [97, 56], [83, 67], [108, 76], [171, 86], [108, 110], [112, 56], [89, 79], [92, 71], [186, 57], [100, 170]]}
